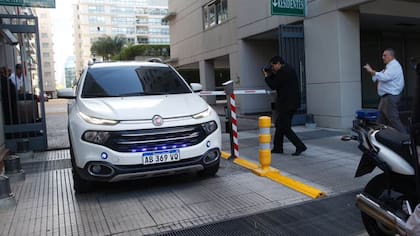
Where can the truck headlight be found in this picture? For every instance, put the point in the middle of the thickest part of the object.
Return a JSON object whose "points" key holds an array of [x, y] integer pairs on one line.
{"points": [[98, 137], [97, 121], [209, 127], [202, 114]]}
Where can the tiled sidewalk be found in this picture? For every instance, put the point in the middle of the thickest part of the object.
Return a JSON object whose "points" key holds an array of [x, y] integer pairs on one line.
{"points": [[47, 205]]}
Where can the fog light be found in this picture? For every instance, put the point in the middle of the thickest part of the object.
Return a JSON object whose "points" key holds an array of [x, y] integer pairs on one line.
{"points": [[100, 170], [211, 156], [96, 169]]}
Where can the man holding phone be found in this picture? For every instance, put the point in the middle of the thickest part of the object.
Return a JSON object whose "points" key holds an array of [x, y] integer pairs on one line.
{"points": [[282, 77], [390, 85]]}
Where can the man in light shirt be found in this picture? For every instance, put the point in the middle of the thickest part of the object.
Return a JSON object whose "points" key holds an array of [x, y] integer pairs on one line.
{"points": [[390, 85], [18, 79]]}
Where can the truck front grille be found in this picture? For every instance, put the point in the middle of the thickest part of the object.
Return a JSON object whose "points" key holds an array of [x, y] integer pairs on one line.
{"points": [[156, 139]]}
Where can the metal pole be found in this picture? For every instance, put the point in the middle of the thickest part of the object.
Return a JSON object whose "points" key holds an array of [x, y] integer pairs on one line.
{"points": [[41, 88], [228, 87]]}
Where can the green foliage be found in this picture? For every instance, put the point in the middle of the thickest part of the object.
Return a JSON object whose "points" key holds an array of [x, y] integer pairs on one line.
{"points": [[131, 51], [117, 49], [107, 46]]}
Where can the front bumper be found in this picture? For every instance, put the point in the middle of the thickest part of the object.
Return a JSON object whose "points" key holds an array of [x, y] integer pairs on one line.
{"points": [[130, 172]]}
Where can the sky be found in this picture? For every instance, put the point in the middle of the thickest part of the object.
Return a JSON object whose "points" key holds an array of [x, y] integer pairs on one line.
{"points": [[62, 20]]}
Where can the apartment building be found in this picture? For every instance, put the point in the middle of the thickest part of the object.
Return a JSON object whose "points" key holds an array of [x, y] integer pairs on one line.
{"points": [[137, 21], [70, 75], [47, 51], [327, 42]]}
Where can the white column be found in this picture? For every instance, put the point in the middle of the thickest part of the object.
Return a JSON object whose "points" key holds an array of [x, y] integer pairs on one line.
{"points": [[333, 69], [254, 54], [207, 78]]}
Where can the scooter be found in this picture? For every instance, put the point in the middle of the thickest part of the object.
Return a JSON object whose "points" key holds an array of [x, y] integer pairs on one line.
{"points": [[390, 198]]}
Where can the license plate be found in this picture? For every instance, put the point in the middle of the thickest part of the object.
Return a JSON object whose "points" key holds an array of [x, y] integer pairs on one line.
{"points": [[161, 157]]}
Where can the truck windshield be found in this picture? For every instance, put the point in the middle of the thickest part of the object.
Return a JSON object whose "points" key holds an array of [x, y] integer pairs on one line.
{"points": [[132, 81]]}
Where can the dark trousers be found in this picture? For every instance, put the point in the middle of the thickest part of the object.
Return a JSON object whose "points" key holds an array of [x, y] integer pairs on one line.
{"points": [[389, 114], [284, 128]]}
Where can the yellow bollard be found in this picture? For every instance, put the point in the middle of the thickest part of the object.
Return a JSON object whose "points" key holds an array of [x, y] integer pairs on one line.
{"points": [[264, 153], [264, 169]]}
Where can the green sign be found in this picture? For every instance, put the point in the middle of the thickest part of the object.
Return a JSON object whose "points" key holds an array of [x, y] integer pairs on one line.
{"points": [[29, 3], [288, 7]]}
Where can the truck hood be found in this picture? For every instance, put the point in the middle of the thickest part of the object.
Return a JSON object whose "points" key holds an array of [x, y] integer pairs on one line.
{"points": [[144, 107]]}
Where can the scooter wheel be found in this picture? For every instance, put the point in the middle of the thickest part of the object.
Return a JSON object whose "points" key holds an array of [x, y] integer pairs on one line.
{"points": [[375, 188]]}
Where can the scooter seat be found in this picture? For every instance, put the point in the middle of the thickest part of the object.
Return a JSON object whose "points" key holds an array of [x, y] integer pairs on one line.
{"points": [[396, 141]]}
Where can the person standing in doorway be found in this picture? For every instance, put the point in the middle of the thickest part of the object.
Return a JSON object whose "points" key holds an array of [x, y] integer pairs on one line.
{"points": [[390, 83], [283, 78], [18, 79], [8, 97]]}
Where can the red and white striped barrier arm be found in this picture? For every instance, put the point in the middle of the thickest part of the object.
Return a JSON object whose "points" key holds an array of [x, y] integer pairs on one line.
{"points": [[234, 120], [252, 91], [241, 92], [234, 125], [212, 93]]}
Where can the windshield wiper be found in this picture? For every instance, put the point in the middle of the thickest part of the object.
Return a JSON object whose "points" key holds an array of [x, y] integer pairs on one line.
{"points": [[154, 93], [98, 96], [131, 94]]}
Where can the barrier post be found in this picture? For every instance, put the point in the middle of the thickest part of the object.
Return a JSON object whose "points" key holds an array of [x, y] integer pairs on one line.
{"points": [[264, 152], [233, 134]]}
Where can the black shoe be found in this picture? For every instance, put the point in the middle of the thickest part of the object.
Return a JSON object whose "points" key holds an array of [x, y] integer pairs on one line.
{"points": [[276, 151], [299, 151]]}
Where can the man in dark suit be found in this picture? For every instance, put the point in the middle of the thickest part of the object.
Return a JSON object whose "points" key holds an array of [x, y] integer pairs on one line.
{"points": [[282, 78]]}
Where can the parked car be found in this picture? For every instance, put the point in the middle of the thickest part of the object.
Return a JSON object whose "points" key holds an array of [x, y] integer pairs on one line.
{"points": [[133, 120]]}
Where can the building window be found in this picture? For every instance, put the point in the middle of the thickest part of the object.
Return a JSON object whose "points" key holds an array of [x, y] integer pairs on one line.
{"points": [[123, 20], [96, 20], [122, 30], [96, 9], [142, 40], [122, 10], [214, 13]]}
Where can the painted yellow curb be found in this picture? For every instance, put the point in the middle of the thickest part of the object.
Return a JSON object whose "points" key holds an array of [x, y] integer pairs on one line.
{"points": [[225, 155], [296, 185], [247, 164], [274, 175], [264, 172]]}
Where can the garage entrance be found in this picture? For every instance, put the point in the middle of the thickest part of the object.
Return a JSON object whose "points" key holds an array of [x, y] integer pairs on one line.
{"points": [[381, 32]]}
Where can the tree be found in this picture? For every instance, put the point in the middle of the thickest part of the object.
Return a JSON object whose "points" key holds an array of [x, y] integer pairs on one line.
{"points": [[129, 52], [107, 46]]}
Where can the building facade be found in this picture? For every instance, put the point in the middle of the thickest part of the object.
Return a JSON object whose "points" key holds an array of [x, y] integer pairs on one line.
{"points": [[136, 21], [70, 76], [328, 47], [47, 51]]}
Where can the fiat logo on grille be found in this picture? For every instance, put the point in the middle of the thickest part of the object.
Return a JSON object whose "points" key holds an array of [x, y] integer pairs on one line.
{"points": [[157, 120]]}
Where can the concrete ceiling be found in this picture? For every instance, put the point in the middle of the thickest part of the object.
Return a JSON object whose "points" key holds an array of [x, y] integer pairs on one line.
{"points": [[367, 22], [389, 23], [269, 35]]}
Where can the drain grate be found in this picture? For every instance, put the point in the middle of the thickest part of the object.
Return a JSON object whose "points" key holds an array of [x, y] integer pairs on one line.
{"points": [[331, 216]]}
